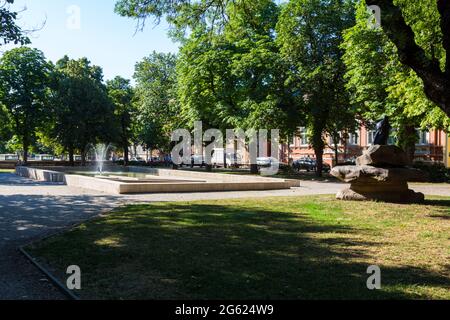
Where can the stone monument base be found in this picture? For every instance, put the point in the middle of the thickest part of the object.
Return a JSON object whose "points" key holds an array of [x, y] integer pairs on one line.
{"points": [[408, 196], [381, 175]]}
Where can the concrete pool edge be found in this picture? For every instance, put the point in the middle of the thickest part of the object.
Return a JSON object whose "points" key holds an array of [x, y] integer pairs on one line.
{"points": [[215, 182]]}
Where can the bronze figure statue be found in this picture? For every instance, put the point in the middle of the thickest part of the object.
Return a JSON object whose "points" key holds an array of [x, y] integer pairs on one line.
{"points": [[383, 132]]}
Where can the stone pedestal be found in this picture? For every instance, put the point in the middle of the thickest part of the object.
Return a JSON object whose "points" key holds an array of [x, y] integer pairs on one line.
{"points": [[385, 179]]}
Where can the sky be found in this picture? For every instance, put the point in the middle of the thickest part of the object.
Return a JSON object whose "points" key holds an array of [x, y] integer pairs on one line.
{"points": [[90, 28]]}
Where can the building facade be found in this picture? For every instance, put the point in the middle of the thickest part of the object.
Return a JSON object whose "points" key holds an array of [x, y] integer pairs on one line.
{"points": [[432, 147]]}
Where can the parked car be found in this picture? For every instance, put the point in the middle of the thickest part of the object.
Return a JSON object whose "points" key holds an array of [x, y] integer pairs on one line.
{"points": [[266, 161], [309, 165], [196, 160], [306, 164], [138, 160]]}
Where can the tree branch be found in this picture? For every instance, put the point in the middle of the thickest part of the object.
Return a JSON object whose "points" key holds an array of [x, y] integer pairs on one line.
{"points": [[444, 10], [436, 82]]}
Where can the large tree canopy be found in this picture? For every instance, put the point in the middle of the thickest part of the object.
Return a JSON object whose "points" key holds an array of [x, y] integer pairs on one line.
{"points": [[121, 94], [402, 20], [156, 100], [310, 33], [235, 78], [381, 85], [82, 108], [24, 88]]}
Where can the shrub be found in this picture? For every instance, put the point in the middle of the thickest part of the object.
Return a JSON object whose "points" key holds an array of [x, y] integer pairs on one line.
{"points": [[436, 172]]}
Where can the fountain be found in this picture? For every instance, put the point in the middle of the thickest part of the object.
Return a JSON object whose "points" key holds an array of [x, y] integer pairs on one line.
{"points": [[100, 152], [141, 180]]}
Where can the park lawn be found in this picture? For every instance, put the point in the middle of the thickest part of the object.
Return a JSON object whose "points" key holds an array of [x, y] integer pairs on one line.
{"points": [[273, 248]]}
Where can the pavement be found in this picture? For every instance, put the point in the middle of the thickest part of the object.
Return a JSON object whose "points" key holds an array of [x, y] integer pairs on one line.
{"points": [[30, 210]]}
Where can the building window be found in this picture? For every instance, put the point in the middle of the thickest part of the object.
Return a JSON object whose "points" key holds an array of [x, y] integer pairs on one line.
{"points": [[294, 142], [424, 137], [303, 135], [353, 139]]}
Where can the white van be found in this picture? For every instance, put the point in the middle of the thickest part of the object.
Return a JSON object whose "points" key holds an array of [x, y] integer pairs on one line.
{"points": [[218, 158]]}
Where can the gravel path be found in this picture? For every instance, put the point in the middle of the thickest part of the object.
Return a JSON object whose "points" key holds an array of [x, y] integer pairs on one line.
{"points": [[30, 210]]}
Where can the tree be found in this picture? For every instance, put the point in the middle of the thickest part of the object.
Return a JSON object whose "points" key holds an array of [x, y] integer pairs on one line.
{"points": [[404, 22], [10, 31], [156, 100], [121, 94], [310, 33], [421, 33], [84, 113], [236, 78], [5, 128], [181, 14], [24, 82], [381, 85]]}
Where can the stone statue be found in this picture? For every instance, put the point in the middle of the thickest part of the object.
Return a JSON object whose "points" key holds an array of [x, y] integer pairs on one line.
{"points": [[383, 132], [381, 173]]}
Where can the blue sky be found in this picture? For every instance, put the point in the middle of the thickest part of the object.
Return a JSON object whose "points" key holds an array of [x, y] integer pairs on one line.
{"points": [[104, 37]]}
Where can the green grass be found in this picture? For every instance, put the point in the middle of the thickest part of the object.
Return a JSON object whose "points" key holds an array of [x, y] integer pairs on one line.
{"points": [[6, 171], [276, 248]]}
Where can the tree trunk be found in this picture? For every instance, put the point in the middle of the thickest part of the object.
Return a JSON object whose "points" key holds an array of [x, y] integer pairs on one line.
{"points": [[71, 157], [319, 161], [83, 157], [25, 145], [125, 144], [436, 82], [126, 156], [336, 155], [289, 151], [408, 143]]}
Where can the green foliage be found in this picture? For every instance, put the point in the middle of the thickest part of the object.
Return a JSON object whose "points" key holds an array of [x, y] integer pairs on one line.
{"points": [[379, 83], [121, 94], [182, 15], [236, 78], [310, 33], [156, 100], [83, 110], [6, 129], [24, 83], [10, 32]]}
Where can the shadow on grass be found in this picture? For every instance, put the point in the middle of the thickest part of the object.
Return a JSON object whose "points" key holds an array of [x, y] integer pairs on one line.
{"points": [[443, 208], [438, 203], [204, 251]]}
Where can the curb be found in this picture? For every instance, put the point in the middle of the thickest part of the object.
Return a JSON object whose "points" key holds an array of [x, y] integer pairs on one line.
{"points": [[52, 279]]}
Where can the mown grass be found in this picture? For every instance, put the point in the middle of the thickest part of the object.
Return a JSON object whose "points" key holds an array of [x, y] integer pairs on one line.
{"points": [[275, 248], [6, 171]]}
